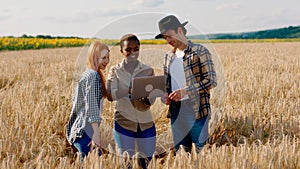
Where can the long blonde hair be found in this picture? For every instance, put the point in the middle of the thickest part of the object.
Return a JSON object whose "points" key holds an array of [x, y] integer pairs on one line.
{"points": [[93, 55], [94, 52]]}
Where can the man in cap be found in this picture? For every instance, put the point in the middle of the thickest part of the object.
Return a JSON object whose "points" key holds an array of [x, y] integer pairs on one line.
{"points": [[190, 77]]}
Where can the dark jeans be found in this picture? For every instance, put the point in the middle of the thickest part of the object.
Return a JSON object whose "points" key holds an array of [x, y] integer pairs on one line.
{"points": [[81, 145], [144, 140], [185, 128]]}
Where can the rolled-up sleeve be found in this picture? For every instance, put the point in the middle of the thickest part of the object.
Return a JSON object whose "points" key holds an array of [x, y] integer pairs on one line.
{"points": [[93, 97], [112, 84]]}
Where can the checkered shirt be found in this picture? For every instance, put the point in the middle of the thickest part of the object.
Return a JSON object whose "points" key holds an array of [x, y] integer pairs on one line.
{"points": [[86, 104], [200, 76]]}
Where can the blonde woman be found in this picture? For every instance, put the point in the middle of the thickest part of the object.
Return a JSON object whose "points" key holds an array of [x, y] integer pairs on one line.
{"points": [[83, 127]]}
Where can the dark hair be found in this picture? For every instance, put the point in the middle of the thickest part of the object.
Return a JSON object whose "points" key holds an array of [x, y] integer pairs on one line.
{"points": [[129, 37]]}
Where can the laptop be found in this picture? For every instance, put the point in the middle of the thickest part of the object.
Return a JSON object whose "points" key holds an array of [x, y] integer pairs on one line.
{"points": [[148, 86]]}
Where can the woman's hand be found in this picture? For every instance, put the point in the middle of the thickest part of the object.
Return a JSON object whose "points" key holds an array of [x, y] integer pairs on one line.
{"points": [[95, 142], [93, 145], [145, 100], [165, 99]]}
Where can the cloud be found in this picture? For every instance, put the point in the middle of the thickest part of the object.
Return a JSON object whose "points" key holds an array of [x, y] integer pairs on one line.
{"points": [[228, 6], [131, 24], [113, 12], [4, 18], [149, 3], [86, 16], [5, 14], [273, 19], [66, 19], [281, 19]]}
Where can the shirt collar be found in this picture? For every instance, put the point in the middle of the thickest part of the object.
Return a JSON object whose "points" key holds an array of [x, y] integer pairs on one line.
{"points": [[188, 49]]}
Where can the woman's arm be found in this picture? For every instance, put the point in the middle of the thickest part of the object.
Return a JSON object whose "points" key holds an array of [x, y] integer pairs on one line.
{"points": [[93, 96], [96, 135], [114, 93], [122, 93]]}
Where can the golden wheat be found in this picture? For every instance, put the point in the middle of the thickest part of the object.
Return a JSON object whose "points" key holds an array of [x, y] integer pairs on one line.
{"points": [[259, 127]]}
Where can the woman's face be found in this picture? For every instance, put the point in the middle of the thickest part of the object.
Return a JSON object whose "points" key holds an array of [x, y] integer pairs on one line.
{"points": [[130, 50], [103, 59]]}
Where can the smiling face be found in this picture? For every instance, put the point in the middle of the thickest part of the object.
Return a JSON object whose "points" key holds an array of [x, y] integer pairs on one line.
{"points": [[130, 49], [103, 59], [171, 37], [175, 39], [98, 56]]}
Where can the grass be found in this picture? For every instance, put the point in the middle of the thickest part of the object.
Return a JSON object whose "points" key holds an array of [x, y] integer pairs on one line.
{"points": [[259, 126]]}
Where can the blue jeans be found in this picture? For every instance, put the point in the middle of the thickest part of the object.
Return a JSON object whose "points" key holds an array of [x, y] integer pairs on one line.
{"points": [[145, 141], [185, 128], [81, 145]]}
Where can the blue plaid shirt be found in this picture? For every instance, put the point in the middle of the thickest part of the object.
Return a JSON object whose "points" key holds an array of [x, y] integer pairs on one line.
{"points": [[86, 105], [200, 76]]}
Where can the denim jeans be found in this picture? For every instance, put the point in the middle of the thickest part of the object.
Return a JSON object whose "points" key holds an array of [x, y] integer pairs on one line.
{"points": [[185, 128], [81, 145], [144, 140]]}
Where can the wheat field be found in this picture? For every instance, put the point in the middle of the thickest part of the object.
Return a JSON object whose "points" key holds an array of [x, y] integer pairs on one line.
{"points": [[259, 96]]}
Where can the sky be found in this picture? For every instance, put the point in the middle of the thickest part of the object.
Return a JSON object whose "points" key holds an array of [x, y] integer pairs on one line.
{"points": [[111, 19]]}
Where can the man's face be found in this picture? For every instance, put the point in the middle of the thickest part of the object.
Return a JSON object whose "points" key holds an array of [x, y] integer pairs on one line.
{"points": [[172, 38]]}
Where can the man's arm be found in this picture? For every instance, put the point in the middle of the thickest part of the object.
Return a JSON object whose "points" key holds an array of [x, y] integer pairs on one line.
{"points": [[203, 72]]}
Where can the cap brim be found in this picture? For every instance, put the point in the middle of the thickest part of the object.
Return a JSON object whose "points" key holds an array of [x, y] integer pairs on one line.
{"points": [[159, 36], [184, 23]]}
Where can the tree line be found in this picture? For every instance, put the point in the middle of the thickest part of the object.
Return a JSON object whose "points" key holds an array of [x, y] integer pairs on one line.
{"points": [[47, 37], [281, 33]]}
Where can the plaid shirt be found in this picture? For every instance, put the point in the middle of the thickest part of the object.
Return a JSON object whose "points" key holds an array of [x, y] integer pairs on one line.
{"points": [[86, 105], [200, 77]]}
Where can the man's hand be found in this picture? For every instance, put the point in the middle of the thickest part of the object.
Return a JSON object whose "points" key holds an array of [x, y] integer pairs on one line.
{"points": [[178, 94]]}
